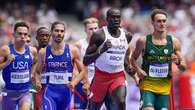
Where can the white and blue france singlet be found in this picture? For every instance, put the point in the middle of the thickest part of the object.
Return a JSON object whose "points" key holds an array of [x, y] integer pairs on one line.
{"points": [[112, 60], [17, 75], [58, 67]]}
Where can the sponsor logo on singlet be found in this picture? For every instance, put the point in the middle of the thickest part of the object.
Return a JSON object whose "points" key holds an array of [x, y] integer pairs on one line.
{"points": [[20, 65], [57, 64]]}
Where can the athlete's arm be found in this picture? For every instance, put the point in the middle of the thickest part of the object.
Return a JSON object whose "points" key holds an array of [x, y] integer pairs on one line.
{"points": [[6, 57], [81, 68], [33, 52], [128, 67], [85, 80], [39, 67], [140, 45], [177, 57], [94, 50], [129, 36]]}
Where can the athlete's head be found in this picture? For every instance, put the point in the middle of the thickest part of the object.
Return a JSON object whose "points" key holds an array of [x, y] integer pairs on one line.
{"points": [[21, 32], [159, 20], [91, 25], [43, 36], [113, 17], [58, 31]]}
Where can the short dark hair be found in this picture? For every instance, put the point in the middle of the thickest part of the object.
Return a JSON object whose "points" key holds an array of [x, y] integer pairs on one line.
{"points": [[40, 29], [21, 24], [110, 11], [157, 11], [55, 23]]}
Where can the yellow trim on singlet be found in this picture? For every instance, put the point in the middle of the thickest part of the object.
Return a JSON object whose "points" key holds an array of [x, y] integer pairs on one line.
{"points": [[156, 85]]}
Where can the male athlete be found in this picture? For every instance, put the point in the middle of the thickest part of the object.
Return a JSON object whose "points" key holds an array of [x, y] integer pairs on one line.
{"points": [[107, 48], [158, 50]]}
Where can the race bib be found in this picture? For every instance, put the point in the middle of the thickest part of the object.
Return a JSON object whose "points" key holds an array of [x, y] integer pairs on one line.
{"points": [[115, 54], [44, 78], [60, 78], [158, 70], [20, 77], [115, 58]]}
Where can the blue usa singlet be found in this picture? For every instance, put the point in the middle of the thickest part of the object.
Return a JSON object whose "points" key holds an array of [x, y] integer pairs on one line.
{"points": [[17, 75], [57, 95]]}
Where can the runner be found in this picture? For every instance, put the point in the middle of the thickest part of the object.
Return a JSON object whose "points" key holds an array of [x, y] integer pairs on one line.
{"points": [[42, 37], [107, 48], [58, 59], [91, 25], [159, 50], [18, 63]]}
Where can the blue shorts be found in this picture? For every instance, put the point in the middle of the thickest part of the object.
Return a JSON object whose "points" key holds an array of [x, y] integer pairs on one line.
{"points": [[57, 97], [15, 98], [80, 98]]}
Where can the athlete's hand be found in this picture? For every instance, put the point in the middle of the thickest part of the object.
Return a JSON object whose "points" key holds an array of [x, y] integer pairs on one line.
{"points": [[130, 70], [38, 85], [136, 78], [9, 59], [86, 87], [175, 59], [141, 74], [71, 85], [105, 46]]}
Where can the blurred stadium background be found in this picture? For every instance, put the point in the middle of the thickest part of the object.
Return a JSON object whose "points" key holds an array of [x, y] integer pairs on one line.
{"points": [[135, 18]]}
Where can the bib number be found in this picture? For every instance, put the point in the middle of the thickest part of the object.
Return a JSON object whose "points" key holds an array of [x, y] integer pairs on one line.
{"points": [[18, 77], [158, 70], [60, 78]]}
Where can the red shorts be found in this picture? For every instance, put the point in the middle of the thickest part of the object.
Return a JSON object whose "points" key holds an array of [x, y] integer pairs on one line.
{"points": [[38, 98], [104, 82]]}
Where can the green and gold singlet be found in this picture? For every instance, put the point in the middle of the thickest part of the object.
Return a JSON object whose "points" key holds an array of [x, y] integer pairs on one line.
{"points": [[157, 65]]}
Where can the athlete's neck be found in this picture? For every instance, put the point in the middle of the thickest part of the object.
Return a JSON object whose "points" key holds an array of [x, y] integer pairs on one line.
{"points": [[19, 48], [113, 31], [39, 47], [159, 35], [58, 46]]}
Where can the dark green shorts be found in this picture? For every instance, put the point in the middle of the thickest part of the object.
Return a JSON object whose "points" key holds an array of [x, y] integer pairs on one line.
{"points": [[157, 101]]}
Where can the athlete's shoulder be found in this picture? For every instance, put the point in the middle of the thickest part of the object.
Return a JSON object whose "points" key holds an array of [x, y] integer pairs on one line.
{"points": [[142, 39], [79, 43], [174, 38], [42, 51], [128, 35], [176, 41], [99, 32], [72, 47], [98, 36], [74, 50], [33, 49], [140, 43]]}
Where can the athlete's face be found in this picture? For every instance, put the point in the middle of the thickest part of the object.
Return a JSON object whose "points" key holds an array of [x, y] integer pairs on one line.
{"points": [[43, 37], [21, 35], [58, 33], [160, 22], [91, 28], [114, 19]]}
